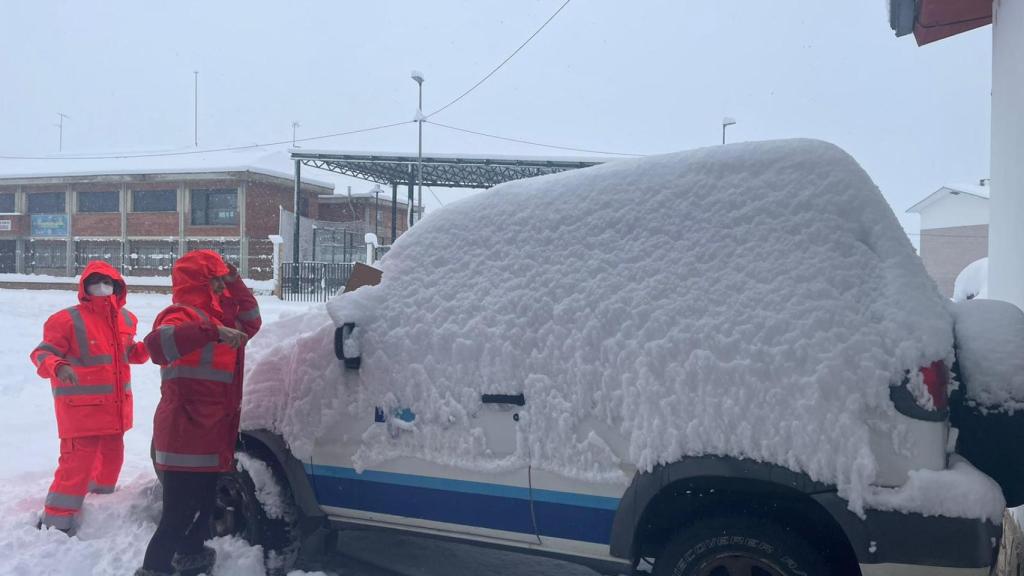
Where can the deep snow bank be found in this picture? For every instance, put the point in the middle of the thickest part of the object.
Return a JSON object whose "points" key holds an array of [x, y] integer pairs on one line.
{"points": [[752, 300], [972, 281], [990, 349]]}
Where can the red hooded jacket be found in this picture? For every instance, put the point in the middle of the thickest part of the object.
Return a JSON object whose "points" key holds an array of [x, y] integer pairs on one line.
{"points": [[97, 339], [196, 422]]}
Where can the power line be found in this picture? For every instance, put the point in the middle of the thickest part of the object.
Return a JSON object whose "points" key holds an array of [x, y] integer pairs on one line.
{"points": [[521, 141], [435, 196], [206, 150], [503, 62]]}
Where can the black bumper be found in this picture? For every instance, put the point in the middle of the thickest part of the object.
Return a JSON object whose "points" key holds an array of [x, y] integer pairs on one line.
{"points": [[898, 538]]}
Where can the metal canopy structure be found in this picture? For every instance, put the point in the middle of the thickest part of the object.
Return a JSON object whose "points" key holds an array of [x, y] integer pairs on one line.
{"points": [[445, 171]]}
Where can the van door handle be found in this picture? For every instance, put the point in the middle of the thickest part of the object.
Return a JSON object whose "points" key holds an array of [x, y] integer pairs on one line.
{"points": [[516, 399]]}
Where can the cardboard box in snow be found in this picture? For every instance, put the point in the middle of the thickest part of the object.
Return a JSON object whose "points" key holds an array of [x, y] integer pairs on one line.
{"points": [[362, 275]]}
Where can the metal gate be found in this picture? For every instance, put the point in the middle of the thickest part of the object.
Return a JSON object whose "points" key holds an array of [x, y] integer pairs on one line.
{"points": [[313, 281]]}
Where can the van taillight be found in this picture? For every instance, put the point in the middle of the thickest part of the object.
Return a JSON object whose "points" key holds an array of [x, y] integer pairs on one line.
{"points": [[928, 402], [936, 380]]}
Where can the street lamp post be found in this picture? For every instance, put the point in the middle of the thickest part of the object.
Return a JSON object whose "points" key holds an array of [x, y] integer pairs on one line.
{"points": [[727, 121], [195, 108], [418, 77]]}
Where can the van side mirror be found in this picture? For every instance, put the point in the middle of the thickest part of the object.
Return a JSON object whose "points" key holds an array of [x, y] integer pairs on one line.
{"points": [[347, 345]]}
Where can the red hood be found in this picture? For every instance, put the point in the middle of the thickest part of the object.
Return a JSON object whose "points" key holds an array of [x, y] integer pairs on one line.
{"points": [[101, 267], [190, 280]]}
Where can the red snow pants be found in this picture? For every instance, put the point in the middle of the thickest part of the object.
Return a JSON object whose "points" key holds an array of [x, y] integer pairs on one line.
{"points": [[87, 464]]}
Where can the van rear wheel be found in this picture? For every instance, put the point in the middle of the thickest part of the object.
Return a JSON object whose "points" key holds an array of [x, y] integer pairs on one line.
{"points": [[736, 546]]}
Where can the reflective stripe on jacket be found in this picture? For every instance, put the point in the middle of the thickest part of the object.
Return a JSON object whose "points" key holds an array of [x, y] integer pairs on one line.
{"points": [[96, 339]]}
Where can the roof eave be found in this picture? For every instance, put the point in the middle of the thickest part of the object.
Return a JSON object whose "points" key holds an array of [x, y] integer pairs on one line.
{"points": [[901, 16]]}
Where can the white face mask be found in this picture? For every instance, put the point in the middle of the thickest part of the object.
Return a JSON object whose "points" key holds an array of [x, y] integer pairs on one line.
{"points": [[100, 289]]}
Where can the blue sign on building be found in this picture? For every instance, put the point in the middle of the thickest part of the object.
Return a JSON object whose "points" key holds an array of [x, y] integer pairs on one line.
{"points": [[50, 225]]}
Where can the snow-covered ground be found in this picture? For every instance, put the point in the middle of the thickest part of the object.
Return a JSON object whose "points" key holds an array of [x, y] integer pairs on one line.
{"points": [[116, 527]]}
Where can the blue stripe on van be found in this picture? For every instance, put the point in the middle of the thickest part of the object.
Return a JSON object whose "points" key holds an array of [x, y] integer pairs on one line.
{"points": [[494, 506]]}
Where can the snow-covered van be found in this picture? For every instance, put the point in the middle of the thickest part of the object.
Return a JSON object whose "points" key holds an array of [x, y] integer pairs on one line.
{"points": [[724, 361]]}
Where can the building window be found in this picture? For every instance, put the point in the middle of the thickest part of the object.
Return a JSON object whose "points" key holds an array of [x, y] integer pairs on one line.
{"points": [[7, 203], [304, 207], [46, 203], [48, 255], [214, 207], [155, 200], [106, 201]]}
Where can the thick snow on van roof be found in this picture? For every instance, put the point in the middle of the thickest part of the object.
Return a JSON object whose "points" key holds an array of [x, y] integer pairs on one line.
{"points": [[753, 300]]}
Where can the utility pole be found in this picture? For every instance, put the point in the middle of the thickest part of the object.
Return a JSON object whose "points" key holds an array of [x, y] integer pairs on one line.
{"points": [[60, 130], [418, 77], [195, 107], [294, 126]]}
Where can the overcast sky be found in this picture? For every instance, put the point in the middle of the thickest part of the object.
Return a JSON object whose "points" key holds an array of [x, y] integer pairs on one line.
{"points": [[644, 77]]}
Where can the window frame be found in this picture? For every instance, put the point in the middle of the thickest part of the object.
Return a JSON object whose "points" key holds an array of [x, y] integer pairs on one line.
{"points": [[116, 194], [206, 193], [13, 205], [135, 193], [31, 195]]}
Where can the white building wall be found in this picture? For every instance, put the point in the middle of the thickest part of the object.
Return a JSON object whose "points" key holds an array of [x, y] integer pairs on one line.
{"points": [[955, 210], [1006, 233]]}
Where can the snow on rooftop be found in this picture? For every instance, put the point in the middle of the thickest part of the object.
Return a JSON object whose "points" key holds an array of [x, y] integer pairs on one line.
{"points": [[973, 189], [951, 189], [764, 316], [258, 160], [499, 157]]}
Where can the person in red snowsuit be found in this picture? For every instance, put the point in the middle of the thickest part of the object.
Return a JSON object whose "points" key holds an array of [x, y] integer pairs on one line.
{"points": [[199, 343], [86, 352]]}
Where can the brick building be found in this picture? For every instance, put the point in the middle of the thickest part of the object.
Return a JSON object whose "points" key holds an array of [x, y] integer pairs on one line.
{"points": [[366, 211], [954, 231], [141, 214]]}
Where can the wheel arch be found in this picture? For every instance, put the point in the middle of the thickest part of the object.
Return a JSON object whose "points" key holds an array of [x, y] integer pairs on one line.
{"points": [[660, 501], [272, 447]]}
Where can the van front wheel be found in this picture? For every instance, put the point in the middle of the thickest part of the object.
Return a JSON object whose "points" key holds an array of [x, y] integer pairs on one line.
{"points": [[738, 547], [255, 503]]}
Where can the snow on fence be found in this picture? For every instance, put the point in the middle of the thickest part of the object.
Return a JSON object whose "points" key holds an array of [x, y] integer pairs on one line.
{"points": [[313, 281]]}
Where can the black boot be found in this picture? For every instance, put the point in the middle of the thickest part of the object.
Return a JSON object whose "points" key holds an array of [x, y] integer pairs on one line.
{"points": [[195, 564]]}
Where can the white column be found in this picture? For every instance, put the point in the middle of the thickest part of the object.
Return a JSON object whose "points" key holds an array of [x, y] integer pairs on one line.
{"points": [[1006, 228], [243, 233]]}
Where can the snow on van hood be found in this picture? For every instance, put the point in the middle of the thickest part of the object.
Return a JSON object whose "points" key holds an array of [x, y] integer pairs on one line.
{"points": [[752, 300]]}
